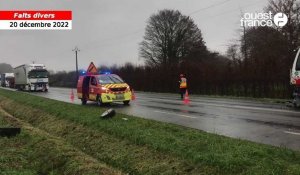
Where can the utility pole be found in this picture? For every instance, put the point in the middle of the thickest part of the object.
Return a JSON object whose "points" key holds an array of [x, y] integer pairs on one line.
{"points": [[245, 42], [244, 37], [76, 50]]}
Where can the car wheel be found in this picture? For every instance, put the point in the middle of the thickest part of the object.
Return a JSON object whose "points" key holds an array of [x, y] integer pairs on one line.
{"points": [[99, 101], [83, 101], [126, 102]]}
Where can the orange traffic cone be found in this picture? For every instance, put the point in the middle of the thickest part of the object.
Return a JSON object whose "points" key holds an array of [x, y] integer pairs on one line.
{"points": [[186, 100], [132, 95], [72, 96]]}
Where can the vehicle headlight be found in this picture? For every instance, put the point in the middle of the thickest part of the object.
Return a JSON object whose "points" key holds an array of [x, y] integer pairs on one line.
{"points": [[104, 89]]}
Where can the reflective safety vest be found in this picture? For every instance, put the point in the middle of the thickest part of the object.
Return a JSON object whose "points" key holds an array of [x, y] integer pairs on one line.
{"points": [[183, 83]]}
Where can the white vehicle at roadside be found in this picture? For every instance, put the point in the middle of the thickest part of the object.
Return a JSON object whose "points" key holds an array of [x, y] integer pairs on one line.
{"points": [[7, 80], [295, 79], [31, 77]]}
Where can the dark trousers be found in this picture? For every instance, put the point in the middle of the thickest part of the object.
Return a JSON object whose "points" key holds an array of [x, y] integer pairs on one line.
{"points": [[182, 92]]}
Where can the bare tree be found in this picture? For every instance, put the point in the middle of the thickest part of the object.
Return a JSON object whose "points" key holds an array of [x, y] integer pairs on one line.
{"points": [[5, 68], [233, 53], [169, 38], [292, 9], [268, 62]]}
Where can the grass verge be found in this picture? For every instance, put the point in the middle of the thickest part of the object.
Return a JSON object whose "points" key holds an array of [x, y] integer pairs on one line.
{"points": [[37, 152], [140, 146], [13, 155]]}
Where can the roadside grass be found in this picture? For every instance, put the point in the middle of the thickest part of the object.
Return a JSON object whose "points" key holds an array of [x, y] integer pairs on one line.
{"points": [[13, 154], [189, 151], [3, 123], [36, 152], [120, 153]]}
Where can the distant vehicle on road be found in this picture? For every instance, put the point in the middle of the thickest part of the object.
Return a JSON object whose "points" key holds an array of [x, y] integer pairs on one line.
{"points": [[102, 88], [31, 77], [8, 80], [295, 79]]}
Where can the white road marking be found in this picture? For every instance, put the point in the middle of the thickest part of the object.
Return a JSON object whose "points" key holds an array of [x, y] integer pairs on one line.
{"points": [[187, 116], [294, 133]]}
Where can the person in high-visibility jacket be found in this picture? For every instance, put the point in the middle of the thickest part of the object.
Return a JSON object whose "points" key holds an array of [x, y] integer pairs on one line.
{"points": [[182, 85]]}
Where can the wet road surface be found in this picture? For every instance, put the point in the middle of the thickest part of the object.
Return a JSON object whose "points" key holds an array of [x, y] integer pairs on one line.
{"points": [[262, 122]]}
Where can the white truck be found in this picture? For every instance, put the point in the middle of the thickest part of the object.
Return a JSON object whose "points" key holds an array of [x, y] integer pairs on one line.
{"points": [[7, 80], [295, 79], [31, 77]]}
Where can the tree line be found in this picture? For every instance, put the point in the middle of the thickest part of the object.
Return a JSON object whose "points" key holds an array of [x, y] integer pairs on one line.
{"points": [[256, 65]]}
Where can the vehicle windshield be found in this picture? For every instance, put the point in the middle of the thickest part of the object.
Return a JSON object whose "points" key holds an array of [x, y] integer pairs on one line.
{"points": [[38, 74], [298, 63], [110, 79]]}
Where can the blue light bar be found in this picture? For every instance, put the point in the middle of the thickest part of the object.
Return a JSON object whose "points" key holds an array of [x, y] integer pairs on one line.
{"points": [[82, 72], [105, 72]]}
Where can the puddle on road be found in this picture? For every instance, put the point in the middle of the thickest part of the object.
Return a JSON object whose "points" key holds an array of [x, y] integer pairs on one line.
{"points": [[181, 111], [270, 123], [173, 103]]}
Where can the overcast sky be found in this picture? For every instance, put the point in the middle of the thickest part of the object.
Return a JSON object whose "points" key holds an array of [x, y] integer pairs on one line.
{"points": [[109, 31]]}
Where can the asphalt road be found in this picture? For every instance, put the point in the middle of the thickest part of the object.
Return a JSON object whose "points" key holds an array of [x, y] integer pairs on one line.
{"points": [[262, 122]]}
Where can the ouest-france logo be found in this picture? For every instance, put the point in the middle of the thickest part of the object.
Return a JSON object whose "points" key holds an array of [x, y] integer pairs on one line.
{"points": [[264, 19]]}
